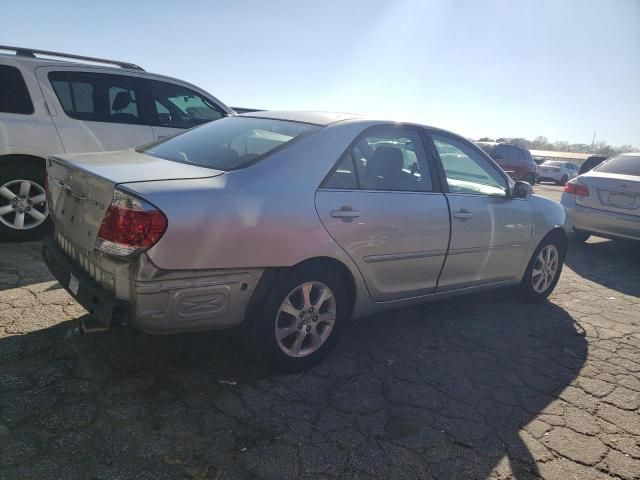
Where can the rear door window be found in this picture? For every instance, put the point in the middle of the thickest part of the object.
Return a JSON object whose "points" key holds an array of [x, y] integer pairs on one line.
{"points": [[98, 97], [176, 106], [14, 95]]}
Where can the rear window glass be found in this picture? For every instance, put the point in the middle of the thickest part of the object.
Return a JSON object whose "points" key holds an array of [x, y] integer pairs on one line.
{"points": [[14, 96], [622, 165], [229, 143]]}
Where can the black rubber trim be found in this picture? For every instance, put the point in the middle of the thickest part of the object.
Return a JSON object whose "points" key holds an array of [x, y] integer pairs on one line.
{"points": [[97, 300]]}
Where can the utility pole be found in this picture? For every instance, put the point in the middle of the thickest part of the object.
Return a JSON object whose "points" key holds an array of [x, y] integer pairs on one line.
{"points": [[593, 141]]}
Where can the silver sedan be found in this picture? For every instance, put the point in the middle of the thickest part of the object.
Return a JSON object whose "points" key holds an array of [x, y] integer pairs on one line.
{"points": [[290, 224], [606, 200]]}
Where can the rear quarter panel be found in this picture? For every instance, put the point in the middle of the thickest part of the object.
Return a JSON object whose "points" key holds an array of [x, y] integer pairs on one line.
{"points": [[260, 216]]}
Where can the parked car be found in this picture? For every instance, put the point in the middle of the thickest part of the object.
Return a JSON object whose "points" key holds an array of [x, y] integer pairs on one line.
{"points": [[50, 106], [292, 223], [514, 159], [590, 163], [606, 200], [558, 172]]}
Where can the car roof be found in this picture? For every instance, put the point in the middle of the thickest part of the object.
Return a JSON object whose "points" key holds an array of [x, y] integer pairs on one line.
{"points": [[316, 118]]}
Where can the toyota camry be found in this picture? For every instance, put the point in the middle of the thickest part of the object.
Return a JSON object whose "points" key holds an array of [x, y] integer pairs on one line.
{"points": [[290, 224]]}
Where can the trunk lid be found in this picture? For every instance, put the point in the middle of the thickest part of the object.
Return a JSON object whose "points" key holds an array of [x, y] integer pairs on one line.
{"points": [[611, 192], [80, 187]]}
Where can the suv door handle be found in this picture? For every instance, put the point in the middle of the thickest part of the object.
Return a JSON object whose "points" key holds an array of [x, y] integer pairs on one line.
{"points": [[463, 214], [345, 212]]}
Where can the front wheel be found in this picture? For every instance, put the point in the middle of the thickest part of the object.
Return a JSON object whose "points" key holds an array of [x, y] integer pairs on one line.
{"points": [[579, 236], [302, 318], [544, 269]]}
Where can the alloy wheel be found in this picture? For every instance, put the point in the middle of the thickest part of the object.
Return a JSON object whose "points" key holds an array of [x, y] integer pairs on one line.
{"points": [[23, 204], [305, 319], [545, 268]]}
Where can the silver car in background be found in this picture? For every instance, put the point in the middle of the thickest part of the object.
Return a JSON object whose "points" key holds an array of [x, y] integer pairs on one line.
{"points": [[606, 200], [291, 223]]}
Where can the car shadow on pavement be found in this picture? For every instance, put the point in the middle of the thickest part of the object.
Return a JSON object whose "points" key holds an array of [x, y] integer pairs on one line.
{"points": [[614, 264], [441, 391]]}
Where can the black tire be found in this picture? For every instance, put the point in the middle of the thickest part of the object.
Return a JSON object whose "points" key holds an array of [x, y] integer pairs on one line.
{"points": [[265, 319], [526, 287], [563, 180], [529, 178], [579, 236], [35, 174]]}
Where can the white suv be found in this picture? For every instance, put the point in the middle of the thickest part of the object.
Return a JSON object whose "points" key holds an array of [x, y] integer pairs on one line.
{"points": [[81, 104]]}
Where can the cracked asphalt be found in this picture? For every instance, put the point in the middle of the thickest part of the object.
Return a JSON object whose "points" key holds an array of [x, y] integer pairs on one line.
{"points": [[482, 386]]}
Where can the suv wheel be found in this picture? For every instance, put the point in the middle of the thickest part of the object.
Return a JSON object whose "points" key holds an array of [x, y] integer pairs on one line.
{"points": [[579, 236], [23, 205], [529, 178], [563, 180], [544, 269], [302, 318]]}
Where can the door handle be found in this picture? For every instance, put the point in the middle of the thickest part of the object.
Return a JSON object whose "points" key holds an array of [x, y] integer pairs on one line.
{"points": [[463, 214], [346, 213]]}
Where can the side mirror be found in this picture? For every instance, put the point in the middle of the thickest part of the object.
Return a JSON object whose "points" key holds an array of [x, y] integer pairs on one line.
{"points": [[521, 190]]}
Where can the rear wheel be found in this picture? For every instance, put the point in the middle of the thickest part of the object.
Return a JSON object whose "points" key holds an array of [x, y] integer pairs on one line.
{"points": [[23, 206], [544, 269], [563, 180], [529, 178], [302, 318]]}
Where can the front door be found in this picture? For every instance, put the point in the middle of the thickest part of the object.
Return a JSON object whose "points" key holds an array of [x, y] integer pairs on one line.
{"points": [[490, 231], [94, 111], [381, 206]]}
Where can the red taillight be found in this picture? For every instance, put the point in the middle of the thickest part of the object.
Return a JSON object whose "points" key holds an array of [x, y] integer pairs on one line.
{"points": [[130, 225], [580, 190]]}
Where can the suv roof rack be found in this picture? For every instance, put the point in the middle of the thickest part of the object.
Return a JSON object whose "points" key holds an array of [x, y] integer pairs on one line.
{"points": [[31, 52]]}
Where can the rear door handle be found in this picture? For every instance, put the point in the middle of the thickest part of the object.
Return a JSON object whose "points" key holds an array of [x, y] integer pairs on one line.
{"points": [[463, 214], [345, 213]]}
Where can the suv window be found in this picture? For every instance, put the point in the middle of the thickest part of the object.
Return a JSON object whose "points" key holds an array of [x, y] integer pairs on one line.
{"points": [[466, 170], [180, 107], [14, 96], [385, 158], [97, 97]]}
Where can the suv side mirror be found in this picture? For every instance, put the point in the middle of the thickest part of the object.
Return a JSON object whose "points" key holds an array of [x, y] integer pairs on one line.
{"points": [[521, 190]]}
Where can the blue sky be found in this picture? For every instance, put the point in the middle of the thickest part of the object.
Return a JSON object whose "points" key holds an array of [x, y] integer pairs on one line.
{"points": [[523, 68]]}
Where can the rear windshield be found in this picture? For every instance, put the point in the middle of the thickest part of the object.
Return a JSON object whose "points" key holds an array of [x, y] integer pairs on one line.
{"points": [[622, 165], [229, 143]]}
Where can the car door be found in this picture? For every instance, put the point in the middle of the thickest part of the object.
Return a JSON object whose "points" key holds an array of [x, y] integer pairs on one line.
{"points": [[383, 207], [173, 107], [490, 231], [94, 110]]}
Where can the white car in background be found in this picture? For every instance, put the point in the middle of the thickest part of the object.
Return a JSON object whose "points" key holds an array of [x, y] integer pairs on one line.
{"points": [[606, 200], [77, 104], [558, 172]]}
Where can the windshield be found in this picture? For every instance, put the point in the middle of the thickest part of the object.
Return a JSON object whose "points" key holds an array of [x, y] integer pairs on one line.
{"points": [[230, 143], [621, 165]]}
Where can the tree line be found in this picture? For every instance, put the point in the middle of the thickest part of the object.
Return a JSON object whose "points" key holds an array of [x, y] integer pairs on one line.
{"points": [[541, 143]]}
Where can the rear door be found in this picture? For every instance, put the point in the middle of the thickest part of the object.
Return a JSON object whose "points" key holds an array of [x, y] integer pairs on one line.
{"points": [[94, 110], [490, 231], [174, 108], [383, 207]]}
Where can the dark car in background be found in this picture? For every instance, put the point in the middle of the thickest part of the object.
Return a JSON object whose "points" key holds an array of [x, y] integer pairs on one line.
{"points": [[591, 163], [514, 159]]}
